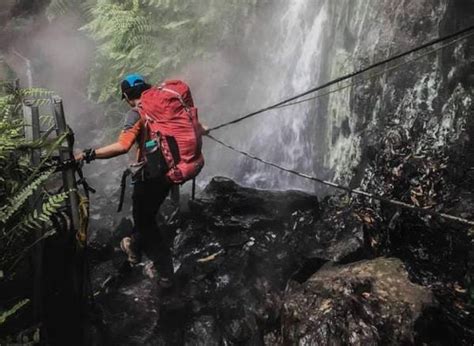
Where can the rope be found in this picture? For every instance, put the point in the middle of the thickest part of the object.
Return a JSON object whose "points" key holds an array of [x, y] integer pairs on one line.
{"points": [[81, 234], [346, 77], [345, 188], [376, 75]]}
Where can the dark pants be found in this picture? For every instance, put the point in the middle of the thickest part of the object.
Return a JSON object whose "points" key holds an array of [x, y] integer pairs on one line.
{"points": [[148, 195]]}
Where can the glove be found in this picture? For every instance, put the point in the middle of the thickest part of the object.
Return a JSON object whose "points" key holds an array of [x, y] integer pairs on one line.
{"points": [[89, 155]]}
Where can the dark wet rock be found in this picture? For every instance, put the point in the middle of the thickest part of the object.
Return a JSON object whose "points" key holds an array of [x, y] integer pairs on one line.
{"points": [[365, 303], [130, 313], [239, 247], [238, 250], [204, 331], [234, 253]]}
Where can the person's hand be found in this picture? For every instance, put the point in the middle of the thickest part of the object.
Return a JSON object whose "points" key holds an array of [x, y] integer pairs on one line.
{"points": [[205, 129], [86, 156], [79, 157]]}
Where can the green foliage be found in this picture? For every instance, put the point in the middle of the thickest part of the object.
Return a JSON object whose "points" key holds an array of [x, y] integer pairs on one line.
{"points": [[4, 315], [153, 37], [15, 202], [49, 208], [58, 8], [25, 206]]}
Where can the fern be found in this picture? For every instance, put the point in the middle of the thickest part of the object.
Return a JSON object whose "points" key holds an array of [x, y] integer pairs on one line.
{"points": [[34, 93], [16, 202], [58, 8], [4, 315], [19, 182], [43, 217], [155, 37]]}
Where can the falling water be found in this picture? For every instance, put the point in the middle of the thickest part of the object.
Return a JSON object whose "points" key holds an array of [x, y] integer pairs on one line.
{"points": [[280, 135], [288, 63]]}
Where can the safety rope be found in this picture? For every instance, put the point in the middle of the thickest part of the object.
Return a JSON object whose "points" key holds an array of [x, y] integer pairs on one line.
{"points": [[350, 76], [378, 74], [81, 234], [345, 188]]}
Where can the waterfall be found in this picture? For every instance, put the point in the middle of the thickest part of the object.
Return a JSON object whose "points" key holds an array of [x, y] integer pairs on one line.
{"points": [[288, 62], [281, 136], [292, 46]]}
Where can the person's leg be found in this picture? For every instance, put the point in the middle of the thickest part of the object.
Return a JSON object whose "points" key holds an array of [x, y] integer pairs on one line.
{"points": [[148, 198], [132, 245], [157, 249]]}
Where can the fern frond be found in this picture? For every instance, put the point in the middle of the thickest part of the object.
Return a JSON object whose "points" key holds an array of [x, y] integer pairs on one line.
{"points": [[4, 315], [58, 8], [35, 93], [15, 203], [43, 217]]}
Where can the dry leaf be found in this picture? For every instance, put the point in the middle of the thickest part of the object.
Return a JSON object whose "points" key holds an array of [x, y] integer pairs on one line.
{"points": [[209, 258]]}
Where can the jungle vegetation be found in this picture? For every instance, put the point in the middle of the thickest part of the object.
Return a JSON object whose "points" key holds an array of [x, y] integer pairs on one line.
{"points": [[27, 208], [153, 37]]}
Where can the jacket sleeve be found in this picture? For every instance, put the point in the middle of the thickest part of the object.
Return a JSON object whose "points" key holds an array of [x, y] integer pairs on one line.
{"points": [[131, 131]]}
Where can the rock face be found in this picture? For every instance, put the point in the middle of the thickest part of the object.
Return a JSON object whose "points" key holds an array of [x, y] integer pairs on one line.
{"points": [[236, 252], [365, 303], [312, 42]]}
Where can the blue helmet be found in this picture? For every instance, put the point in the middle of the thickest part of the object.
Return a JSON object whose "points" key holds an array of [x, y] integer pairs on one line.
{"points": [[130, 82]]}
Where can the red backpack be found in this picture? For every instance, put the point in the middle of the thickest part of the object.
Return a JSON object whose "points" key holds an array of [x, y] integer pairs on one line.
{"points": [[170, 117]]}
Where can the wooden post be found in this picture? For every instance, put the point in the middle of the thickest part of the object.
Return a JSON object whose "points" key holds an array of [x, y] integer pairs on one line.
{"points": [[66, 154], [33, 133], [78, 267], [69, 183]]}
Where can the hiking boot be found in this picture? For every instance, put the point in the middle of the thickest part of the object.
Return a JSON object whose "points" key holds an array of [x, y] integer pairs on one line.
{"points": [[126, 246]]}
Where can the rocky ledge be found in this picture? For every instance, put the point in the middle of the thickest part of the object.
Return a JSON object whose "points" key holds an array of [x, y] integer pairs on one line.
{"points": [[258, 267], [365, 303]]}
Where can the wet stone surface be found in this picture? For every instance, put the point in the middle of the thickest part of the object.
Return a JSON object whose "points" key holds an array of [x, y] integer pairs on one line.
{"points": [[365, 303], [256, 267], [236, 251]]}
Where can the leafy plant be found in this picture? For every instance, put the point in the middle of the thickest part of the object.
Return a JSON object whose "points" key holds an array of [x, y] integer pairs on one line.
{"points": [[153, 37], [12, 311], [25, 205]]}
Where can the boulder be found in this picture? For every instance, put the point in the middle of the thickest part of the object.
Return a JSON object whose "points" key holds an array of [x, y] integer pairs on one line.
{"points": [[365, 303], [237, 249], [234, 252]]}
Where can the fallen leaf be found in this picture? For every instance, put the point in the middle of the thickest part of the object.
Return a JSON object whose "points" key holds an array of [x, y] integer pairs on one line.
{"points": [[209, 258]]}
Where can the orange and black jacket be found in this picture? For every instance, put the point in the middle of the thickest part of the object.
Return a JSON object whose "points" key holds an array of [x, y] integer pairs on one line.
{"points": [[132, 132]]}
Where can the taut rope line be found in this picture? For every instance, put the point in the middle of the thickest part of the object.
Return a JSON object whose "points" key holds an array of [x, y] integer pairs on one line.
{"points": [[345, 188], [352, 75]]}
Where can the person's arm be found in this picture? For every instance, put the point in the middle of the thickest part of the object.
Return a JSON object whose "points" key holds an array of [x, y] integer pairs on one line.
{"points": [[107, 152], [125, 141], [111, 150]]}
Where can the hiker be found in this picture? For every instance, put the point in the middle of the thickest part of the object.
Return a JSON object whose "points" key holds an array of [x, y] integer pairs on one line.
{"points": [[163, 122]]}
